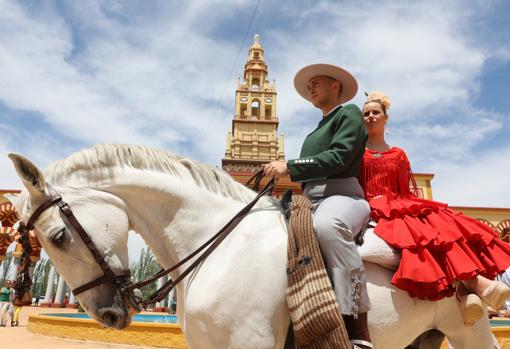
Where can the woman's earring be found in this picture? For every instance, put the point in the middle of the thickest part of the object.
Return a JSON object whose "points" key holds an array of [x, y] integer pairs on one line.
{"points": [[386, 129]]}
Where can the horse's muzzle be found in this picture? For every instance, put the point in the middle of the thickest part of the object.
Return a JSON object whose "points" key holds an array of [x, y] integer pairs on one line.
{"points": [[116, 315]]}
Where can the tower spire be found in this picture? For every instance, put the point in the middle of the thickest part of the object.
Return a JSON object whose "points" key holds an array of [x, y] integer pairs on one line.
{"points": [[253, 139]]}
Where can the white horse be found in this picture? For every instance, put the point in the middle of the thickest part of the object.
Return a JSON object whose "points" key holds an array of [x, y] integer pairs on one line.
{"points": [[236, 298]]}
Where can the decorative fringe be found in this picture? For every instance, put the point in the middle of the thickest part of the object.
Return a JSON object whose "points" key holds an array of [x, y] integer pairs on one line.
{"points": [[387, 176]]}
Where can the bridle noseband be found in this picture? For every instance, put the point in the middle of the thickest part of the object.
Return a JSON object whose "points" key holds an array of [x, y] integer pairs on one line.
{"points": [[129, 290]]}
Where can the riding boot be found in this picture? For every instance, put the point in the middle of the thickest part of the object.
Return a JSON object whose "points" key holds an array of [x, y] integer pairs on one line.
{"points": [[357, 328], [496, 295]]}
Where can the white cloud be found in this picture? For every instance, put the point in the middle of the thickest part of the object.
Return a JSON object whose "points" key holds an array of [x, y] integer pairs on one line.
{"points": [[429, 60], [126, 83], [135, 246], [482, 181], [428, 57], [9, 178], [446, 141], [152, 74]]}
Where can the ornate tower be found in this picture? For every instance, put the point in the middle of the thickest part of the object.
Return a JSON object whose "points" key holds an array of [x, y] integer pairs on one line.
{"points": [[253, 140]]}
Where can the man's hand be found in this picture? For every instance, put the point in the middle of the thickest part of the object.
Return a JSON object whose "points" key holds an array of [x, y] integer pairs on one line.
{"points": [[276, 169]]}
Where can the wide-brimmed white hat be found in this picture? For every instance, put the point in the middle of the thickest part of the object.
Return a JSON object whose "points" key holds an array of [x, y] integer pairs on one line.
{"points": [[349, 83]]}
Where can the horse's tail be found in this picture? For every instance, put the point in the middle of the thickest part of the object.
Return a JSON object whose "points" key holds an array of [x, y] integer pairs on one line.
{"points": [[431, 339]]}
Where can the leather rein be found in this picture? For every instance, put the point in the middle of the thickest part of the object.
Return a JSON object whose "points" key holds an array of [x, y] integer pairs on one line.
{"points": [[123, 280]]}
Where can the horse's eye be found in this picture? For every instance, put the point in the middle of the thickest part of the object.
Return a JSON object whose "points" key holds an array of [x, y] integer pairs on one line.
{"points": [[59, 237]]}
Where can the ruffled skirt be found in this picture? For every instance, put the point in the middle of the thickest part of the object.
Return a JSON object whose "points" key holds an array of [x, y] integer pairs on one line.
{"points": [[439, 246]]}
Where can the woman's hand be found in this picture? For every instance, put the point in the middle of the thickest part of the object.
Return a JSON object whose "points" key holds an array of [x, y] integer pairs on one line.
{"points": [[276, 169]]}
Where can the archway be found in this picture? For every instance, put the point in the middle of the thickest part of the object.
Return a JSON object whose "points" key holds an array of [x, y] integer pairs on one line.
{"points": [[8, 214], [487, 223], [503, 229]]}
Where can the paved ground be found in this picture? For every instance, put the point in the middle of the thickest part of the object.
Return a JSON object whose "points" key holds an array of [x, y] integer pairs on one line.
{"points": [[20, 338]]}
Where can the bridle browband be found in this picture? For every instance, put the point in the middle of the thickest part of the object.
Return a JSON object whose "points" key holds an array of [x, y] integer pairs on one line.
{"points": [[123, 280]]}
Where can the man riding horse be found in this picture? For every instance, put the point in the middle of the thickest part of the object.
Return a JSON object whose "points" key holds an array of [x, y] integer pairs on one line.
{"points": [[328, 167]]}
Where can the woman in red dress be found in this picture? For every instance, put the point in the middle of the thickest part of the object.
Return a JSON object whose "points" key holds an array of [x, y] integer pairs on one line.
{"points": [[441, 250]]}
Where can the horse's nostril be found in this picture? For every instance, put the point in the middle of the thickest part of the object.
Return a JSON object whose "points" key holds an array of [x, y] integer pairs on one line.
{"points": [[110, 318]]}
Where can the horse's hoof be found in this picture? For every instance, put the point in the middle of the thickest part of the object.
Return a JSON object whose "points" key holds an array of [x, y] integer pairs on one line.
{"points": [[471, 308], [357, 342], [496, 294]]}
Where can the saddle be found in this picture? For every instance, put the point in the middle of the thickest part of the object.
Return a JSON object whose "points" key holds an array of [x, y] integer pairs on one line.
{"points": [[314, 311]]}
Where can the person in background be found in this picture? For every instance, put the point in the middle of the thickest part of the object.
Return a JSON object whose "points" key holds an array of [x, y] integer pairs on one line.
{"points": [[5, 293], [443, 252], [14, 309], [505, 278]]}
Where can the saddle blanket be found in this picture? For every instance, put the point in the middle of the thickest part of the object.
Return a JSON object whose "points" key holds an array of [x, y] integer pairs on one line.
{"points": [[314, 311]]}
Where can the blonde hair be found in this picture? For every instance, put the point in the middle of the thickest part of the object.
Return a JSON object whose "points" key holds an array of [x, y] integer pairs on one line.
{"points": [[379, 97]]}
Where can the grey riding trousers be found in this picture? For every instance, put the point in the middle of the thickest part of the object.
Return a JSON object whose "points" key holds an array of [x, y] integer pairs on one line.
{"points": [[340, 213]]}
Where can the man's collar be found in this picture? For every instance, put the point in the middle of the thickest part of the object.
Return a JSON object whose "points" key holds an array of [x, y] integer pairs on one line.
{"points": [[332, 110]]}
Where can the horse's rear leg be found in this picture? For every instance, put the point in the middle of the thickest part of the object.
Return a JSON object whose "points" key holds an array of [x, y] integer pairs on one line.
{"points": [[289, 342], [428, 340]]}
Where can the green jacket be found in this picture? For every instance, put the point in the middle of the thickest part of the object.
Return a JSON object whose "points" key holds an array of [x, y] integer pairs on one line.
{"points": [[334, 150]]}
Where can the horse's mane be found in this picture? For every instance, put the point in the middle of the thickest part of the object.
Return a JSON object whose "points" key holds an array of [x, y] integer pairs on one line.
{"points": [[103, 157]]}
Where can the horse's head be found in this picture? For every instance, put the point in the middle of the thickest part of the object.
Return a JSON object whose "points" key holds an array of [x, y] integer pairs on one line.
{"points": [[103, 217]]}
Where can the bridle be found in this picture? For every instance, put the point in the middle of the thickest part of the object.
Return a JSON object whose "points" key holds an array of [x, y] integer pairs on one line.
{"points": [[126, 287], [122, 280]]}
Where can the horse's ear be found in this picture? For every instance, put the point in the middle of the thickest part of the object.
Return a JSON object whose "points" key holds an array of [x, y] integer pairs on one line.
{"points": [[30, 175]]}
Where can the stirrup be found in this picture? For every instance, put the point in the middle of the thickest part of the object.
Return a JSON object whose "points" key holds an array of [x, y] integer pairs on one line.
{"points": [[361, 342]]}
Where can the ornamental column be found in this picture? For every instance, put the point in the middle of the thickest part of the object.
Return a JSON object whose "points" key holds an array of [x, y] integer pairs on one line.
{"points": [[72, 301], [49, 288], [12, 271], [59, 297], [160, 306], [170, 300]]}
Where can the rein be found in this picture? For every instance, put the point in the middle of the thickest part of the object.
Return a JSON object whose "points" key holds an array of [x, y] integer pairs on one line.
{"points": [[127, 288]]}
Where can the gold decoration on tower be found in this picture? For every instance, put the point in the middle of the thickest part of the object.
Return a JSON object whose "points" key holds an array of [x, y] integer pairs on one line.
{"points": [[253, 139]]}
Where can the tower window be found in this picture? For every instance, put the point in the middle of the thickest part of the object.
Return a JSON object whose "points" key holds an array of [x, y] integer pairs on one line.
{"points": [[255, 108], [268, 112], [255, 55], [255, 84], [244, 108]]}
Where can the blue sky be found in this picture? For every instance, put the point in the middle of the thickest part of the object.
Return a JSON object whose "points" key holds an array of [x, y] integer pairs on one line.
{"points": [[77, 73]]}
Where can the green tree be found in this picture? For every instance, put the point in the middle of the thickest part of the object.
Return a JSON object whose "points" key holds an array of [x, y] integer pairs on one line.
{"points": [[146, 266], [4, 268], [40, 277]]}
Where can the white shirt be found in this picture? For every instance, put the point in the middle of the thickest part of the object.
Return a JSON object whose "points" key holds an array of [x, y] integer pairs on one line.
{"points": [[329, 112]]}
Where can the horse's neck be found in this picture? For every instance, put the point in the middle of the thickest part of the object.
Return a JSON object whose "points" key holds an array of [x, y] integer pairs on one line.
{"points": [[173, 217]]}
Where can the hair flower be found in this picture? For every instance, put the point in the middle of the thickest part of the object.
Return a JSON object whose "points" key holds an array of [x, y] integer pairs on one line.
{"points": [[380, 97]]}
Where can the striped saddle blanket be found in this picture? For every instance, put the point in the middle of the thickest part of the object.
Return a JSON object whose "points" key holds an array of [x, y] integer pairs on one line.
{"points": [[314, 311]]}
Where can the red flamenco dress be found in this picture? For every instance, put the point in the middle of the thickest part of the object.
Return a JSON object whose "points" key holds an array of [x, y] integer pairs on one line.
{"points": [[439, 246]]}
